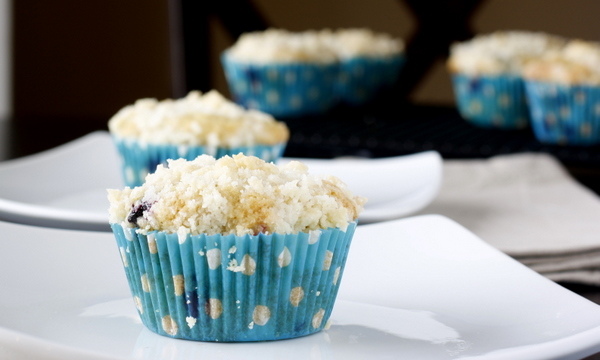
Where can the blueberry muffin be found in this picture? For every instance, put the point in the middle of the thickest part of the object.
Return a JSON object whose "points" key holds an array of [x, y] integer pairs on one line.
{"points": [[235, 248], [563, 90], [286, 74], [486, 75], [370, 63], [149, 132]]}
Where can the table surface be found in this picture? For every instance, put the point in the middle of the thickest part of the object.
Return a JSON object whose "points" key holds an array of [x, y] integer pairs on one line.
{"points": [[365, 133]]}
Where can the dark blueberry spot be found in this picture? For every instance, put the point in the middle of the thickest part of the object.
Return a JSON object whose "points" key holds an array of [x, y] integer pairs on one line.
{"points": [[254, 78], [191, 302], [137, 211], [474, 85], [300, 326], [570, 131]]}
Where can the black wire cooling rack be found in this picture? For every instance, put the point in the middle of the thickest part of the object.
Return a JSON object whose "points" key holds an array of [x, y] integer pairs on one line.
{"points": [[410, 129]]}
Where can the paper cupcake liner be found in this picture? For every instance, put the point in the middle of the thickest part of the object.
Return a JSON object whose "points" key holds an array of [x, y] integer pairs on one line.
{"points": [[492, 101], [362, 78], [139, 160], [282, 90], [566, 115], [234, 288]]}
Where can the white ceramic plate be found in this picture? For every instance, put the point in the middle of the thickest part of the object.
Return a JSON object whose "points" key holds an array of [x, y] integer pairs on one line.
{"points": [[416, 288], [395, 186], [65, 187]]}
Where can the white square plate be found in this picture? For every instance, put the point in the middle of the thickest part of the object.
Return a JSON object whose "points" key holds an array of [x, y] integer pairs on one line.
{"points": [[417, 288]]}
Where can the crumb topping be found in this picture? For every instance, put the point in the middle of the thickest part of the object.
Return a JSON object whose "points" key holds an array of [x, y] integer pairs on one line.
{"points": [[349, 43], [321, 46], [501, 51], [197, 120], [234, 195], [577, 63]]}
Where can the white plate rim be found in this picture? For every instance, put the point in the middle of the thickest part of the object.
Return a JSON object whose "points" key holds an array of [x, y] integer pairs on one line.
{"points": [[574, 346], [44, 215]]}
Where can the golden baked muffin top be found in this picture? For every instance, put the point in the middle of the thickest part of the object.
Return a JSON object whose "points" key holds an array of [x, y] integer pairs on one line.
{"points": [[501, 52], [577, 63], [234, 195], [197, 120]]}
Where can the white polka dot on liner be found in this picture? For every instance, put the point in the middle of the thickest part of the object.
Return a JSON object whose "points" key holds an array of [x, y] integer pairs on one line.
{"points": [[261, 315], [151, 239], [313, 93], [178, 284], [123, 257], [169, 325], [565, 112], [336, 275], [308, 75], [272, 97], [213, 308], [129, 234], [145, 283], [296, 101], [272, 74], [327, 260], [585, 129], [213, 257], [314, 236], [129, 174], [296, 295], [504, 100], [290, 77], [182, 150], [265, 154], [318, 318], [181, 236], [138, 304], [247, 266], [285, 258], [475, 107], [143, 173], [240, 86]]}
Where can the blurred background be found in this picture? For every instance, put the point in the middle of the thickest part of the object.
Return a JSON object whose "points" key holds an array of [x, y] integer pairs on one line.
{"points": [[67, 66]]}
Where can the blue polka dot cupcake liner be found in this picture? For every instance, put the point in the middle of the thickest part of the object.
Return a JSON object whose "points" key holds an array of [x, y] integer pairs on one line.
{"points": [[361, 79], [234, 288], [564, 115], [282, 90], [140, 159], [492, 101]]}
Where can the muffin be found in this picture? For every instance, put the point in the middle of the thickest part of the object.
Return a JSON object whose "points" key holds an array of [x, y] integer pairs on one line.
{"points": [[369, 63], [235, 248], [149, 132], [283, 73], [564, 94], [486, 75]]}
